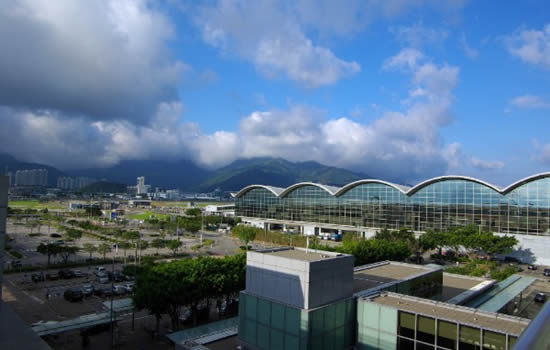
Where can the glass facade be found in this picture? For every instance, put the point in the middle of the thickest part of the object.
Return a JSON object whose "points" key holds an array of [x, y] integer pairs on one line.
{"points": [[438, 205], [266, 324], [383, 327]]}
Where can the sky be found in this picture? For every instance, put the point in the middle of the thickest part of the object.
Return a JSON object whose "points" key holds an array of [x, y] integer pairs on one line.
{"points": [[398, 90]]}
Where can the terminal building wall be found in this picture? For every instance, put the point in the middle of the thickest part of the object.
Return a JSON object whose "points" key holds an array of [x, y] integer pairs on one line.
{"points": [[439, 205]]}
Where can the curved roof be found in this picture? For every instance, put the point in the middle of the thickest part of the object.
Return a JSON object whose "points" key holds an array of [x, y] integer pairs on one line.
{"points": [[524, 181], [338, 191], [330, 189], [275, 190], [451, 177], [344, 189]]}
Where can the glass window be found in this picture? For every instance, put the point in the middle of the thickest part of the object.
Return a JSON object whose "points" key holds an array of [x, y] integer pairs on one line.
{"points": [[494, 341], [404, 344], [426, 330], [446, 334], [512, 341], [406, 324], [469, 336]]}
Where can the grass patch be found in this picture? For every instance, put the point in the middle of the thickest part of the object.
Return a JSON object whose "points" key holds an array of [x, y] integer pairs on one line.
{"points": [[185, 204], [35, 204], [148, 215]]}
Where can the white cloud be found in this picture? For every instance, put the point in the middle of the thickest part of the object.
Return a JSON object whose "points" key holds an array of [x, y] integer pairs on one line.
{"points": [[418, 35], [486, 164], [102, 59], [406, 58], [531, 45], [273, 40], [529, 102], [468, 50]]}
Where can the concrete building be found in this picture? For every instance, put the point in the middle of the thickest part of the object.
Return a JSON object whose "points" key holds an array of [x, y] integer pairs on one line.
{"points": [[33, 177], [521, 209], [308, 299], [220, 210]]}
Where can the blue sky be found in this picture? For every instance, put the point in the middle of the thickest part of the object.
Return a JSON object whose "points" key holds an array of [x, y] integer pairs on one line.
{"points": [[399, 90]]}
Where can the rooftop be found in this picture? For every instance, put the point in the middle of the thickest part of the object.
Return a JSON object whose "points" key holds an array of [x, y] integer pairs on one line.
{"points": [[457, 288], [301, 254], [378, 274], [460, 314]]}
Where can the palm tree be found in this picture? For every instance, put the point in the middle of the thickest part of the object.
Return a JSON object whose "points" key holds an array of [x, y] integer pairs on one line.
{"points": [[104, 248]]}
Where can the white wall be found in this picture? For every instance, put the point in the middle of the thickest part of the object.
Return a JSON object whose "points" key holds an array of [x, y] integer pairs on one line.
{"points": [[529, 246]]}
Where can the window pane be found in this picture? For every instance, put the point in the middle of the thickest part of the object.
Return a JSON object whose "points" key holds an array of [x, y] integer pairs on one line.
{"points": [[426, 329], [469, 335], [511, 341], [404, 344], [446, 334], [495, 341], [406, 324]]}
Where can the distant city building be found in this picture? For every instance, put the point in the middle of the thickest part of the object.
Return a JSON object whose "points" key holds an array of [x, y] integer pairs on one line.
{"points": [[33, 177], [73, 183], [140, 188], [220, 210]]}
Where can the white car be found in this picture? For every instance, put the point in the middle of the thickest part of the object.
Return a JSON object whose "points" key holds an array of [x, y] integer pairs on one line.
{"points": [[100, 269], [129, 287], [119, 290], [103, 279]]}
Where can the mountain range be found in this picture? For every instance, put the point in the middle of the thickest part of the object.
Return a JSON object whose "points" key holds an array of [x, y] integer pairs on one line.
{"points": [[187, 176]]}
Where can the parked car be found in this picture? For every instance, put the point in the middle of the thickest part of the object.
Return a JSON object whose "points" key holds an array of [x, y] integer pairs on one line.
{"points": [[540, 297], [38, 277], [103, 279], [99, 269], [87, 289], [532, 267], [59, 242], [117, 276], [103, 292], [119, 290], [78, 273], [546, 272], [66, 274], [129, 287], [16, 264], [52, 276], [73, 295]]}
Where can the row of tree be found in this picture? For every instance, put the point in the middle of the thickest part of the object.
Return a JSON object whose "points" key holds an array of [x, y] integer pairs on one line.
{"points": [[167, 288]]}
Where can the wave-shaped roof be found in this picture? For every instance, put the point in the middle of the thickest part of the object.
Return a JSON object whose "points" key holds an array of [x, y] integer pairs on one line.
{"points": [[338, 191]]}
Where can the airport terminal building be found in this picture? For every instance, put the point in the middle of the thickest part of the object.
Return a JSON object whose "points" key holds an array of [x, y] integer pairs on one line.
{"points": [[522, 208]]}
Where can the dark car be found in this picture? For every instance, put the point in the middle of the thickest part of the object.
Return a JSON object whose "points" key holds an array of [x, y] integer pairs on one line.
{"points": [[546, 272], [116, 276], [532, 267], [88, 289], [540, 297], [103, 292], [16, 264], [73, 295], [66, 274], [38, 277], [52, 276]]}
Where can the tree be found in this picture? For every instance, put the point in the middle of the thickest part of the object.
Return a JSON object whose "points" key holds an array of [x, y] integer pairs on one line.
{"points": [[246, 233], [48, 250], [89, 248], [124, 246], [72, 233], [174, 245], [134, 237], [66, 252], [104, 248], [192, 225], [32, 224], [193, 212], [158, 243]]}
